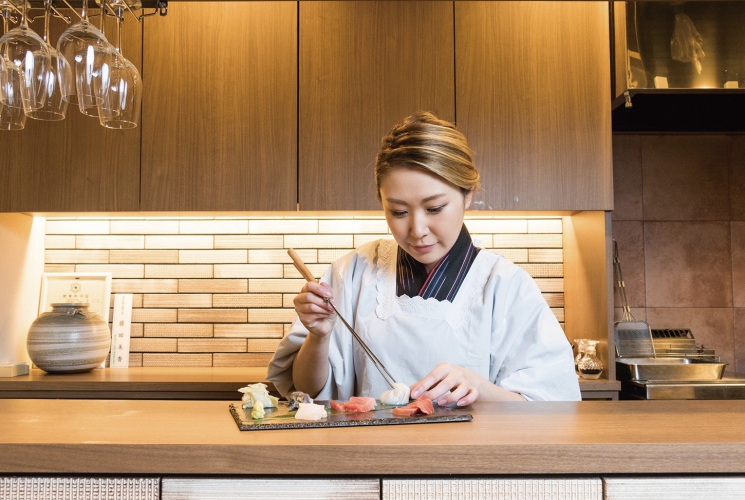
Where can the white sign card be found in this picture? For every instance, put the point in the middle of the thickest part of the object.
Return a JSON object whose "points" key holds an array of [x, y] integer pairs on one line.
{"points": [[93, 289], [120, 330]]}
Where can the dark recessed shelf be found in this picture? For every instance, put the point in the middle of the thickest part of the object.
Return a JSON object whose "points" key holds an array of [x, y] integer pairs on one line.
{"points": [[682, 110]]}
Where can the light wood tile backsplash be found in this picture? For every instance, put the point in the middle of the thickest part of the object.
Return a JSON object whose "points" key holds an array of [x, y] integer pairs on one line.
{"points": [[218, 291]]}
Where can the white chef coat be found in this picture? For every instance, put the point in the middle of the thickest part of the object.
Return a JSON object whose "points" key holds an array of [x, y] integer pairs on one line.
{"points": [[498, 326]]}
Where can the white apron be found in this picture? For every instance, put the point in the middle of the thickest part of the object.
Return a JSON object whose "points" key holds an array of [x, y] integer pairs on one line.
{"points": [[498, 326]]}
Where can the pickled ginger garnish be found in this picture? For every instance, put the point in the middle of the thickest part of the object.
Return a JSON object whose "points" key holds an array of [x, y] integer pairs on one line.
{"points": [[257, 392]]}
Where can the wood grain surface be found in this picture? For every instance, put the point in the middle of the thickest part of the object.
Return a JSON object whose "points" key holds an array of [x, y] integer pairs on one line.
{"points": [[74, 164], [364, 66], [193, 383], [533, 99], [190, 437], [220, 107]]}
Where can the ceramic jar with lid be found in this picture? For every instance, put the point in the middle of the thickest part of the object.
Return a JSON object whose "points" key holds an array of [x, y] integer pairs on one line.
{"points": [[68, 339]]}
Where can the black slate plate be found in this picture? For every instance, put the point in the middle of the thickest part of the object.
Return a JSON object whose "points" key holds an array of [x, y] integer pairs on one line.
{"points": [[282, 418]]}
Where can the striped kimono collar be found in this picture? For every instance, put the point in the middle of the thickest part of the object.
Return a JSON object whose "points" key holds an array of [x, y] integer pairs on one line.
{"points": [[445, 279]]}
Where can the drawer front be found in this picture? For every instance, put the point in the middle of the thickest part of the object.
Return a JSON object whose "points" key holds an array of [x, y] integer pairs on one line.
{"points": [[76, 488], [488, 489], [675, 488], [276, 489]]}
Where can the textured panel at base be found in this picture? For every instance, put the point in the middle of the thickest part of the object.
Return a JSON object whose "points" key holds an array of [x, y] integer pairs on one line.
{"points": [[493, 489], [276, 489], [674, 488], [75, 488]]}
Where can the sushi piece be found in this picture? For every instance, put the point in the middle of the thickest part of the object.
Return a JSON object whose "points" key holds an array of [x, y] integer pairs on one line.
{"points": [[421, 405], [296, 398], [358, 404], [399, 395], [311, 411]]}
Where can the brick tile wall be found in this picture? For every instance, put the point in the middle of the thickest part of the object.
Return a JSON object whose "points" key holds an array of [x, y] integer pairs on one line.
{"points": [[218, 291]]}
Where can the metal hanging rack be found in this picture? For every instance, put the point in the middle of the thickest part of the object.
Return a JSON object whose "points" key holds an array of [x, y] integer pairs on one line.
{"points": [[159, 7]]}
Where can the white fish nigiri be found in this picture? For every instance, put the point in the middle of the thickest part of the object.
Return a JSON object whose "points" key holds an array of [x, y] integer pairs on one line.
{"points": [[399, 395]]}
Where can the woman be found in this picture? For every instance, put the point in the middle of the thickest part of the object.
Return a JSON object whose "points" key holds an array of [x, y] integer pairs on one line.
{"points": [[457, 323]]}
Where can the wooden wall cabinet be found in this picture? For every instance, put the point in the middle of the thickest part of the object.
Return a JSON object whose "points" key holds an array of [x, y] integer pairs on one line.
{"points": [[533, 99], [219, 115], [245, 110], [75, 164], [364, 66]]}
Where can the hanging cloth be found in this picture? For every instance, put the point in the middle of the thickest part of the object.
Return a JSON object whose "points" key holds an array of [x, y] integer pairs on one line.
{"points": [[444, 280]]}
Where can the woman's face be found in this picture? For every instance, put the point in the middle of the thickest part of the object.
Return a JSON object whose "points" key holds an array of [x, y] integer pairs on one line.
{"points": [[424, 212]]}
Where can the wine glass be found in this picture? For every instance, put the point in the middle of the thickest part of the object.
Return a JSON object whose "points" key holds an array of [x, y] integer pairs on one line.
{"points": [[25, 51], [59, 81], [12, 114], [86, 49], [120, 89]]}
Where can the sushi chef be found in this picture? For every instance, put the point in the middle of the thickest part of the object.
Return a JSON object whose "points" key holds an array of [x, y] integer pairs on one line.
{"points": [[456, 323]]}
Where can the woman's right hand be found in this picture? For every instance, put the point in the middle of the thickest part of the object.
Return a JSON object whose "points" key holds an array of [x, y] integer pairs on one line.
{"points": [[314, 312]]}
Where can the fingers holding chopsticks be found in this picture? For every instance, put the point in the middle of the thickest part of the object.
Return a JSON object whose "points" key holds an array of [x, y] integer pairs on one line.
{"points": [[315, 313]]}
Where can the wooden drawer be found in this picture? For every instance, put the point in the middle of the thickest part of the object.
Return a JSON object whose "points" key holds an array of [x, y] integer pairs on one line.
{"points": [[488, 489], [76, 488], [276, 489], [674, 488]]}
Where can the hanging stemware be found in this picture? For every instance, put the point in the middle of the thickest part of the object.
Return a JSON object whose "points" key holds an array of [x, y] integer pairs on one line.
{"points": [[86, 49], [12, 114], [25, 51], [120, 88], [59, 81]]}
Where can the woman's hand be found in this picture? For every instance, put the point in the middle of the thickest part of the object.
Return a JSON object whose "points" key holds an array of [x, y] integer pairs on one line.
{"points": [[314, 312], [464, 386]]}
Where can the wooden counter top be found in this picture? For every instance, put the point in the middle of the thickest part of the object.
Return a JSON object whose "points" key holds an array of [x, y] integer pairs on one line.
{"points": [[200, 437]]}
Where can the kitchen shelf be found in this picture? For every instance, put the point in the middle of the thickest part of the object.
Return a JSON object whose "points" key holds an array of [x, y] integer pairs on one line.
{"points": [[187, 383], [177, 383]]}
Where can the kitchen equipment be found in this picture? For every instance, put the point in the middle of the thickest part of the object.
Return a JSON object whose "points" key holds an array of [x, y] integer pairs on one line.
{"points": [[729, 388], [679, 342], [667, 369], [281, 418], [633, 338], [305, 272], [681, 370]]}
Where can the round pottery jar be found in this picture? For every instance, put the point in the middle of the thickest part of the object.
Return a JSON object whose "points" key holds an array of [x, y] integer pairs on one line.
{"points": [[68, 339]]}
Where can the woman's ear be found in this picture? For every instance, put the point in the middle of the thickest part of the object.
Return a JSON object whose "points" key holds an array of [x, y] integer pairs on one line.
{"points": [[467, 200]]}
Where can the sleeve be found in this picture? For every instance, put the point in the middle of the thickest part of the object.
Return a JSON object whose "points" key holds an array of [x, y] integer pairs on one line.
{"points": [[538, 362], [340, 381]]}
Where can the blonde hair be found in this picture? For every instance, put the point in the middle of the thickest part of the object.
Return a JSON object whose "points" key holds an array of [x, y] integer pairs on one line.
{"points": [[423, 141]]}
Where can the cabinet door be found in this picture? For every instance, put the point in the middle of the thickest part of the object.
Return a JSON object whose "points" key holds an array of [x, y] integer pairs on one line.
{"points": [[74, 164], [220, 107], [533, 99], [364, 66]]}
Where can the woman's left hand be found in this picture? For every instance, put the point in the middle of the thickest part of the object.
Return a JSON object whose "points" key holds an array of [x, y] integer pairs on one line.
{"points": [[463, 384], [465, 387]]}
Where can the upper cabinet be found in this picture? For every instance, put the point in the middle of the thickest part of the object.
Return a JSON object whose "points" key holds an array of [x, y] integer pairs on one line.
{"points": [[364, 66], [219, 119], [74, 164], [533, 99]]}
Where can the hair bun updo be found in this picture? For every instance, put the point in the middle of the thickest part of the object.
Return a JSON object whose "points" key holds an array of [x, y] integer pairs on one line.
{"points": [[423, 141]]}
